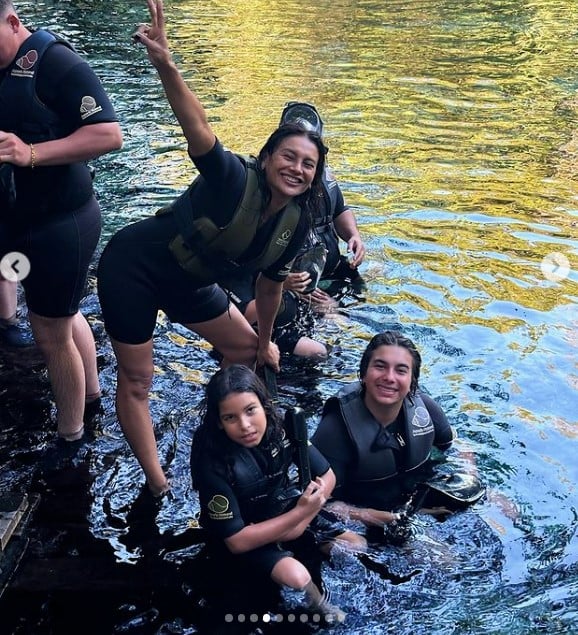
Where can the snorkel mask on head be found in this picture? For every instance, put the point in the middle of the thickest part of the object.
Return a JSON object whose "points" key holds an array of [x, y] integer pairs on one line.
{"points": [[303, 114]]}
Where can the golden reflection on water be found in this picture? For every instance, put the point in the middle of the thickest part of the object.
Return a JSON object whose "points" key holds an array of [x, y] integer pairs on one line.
{"points": [[452, 129]]}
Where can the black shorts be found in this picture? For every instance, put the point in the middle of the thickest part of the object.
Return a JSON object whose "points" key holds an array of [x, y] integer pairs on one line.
{"points": [[60, 252], [324, 528], [138, 276]]}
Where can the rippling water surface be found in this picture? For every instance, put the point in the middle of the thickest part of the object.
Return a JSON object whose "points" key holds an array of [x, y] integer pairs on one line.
{"points": [[452, 130]]}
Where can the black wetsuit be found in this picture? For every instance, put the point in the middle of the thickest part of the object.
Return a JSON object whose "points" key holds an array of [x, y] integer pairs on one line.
{"points": [[51, 215], [138, 275], [226, 507]]}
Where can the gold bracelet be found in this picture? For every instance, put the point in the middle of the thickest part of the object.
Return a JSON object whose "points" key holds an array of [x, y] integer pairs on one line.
{"points": [[32, 157]]}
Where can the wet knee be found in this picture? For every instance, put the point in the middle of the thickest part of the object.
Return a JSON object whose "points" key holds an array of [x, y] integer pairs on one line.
{"points": [[135, 383], [353, 541], [291, 573], [306, 347]]}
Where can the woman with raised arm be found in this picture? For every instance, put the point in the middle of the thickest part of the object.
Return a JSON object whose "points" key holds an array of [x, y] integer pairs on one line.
{"points": [[240, 214]]}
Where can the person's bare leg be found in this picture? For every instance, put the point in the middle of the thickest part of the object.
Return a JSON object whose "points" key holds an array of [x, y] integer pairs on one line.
{"points": [[8, 299], [84, 341], [231, 335], [307, 347], [292, 573], [65, 370], [134, 379]]}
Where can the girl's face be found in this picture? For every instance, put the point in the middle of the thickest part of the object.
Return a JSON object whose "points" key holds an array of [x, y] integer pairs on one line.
{"points": [[290, 169], [388, 377], [243, 418]]}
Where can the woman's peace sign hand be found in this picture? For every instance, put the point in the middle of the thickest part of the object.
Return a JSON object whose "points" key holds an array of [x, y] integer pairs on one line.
{"points": [[153, 35]]}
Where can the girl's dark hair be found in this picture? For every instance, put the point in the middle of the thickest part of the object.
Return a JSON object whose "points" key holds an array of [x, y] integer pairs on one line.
{"points": [[210, 439], [311, 199], [392, 338]]}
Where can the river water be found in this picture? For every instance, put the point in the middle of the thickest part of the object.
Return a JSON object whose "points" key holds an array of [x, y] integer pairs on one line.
{"points": [[452, 129]]}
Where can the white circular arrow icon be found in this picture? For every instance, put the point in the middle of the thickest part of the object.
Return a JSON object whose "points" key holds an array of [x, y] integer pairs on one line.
{"points": [[14, 266]]}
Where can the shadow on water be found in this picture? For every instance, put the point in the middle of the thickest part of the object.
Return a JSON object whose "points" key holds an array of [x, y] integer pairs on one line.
{"points": [[104, 557]]}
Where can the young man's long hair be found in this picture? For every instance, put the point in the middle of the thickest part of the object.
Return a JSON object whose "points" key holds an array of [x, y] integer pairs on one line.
{"points": [[393, 338]]}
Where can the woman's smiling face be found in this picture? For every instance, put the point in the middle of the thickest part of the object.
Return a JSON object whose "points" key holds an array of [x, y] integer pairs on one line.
{"points": [[290, 168]]}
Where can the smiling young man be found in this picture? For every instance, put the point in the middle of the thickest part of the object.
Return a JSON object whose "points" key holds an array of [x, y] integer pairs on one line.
{"points": [[378, 432]]}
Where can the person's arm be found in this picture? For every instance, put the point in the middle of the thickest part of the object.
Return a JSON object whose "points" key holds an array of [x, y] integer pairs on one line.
{"points": [[64, 81], [287, 526], [367, 515], [372, 517], [328, 480], [321, 468], [347, 230], [332, 441], [444, 433], [267, 300], [84, 144], [187, 108]]}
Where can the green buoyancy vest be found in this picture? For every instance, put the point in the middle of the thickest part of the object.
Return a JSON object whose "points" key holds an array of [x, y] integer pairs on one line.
{"points": [[209, 253]]}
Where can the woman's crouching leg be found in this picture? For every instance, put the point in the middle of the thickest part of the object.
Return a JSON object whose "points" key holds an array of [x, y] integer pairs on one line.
{"points": [[231, 335]]}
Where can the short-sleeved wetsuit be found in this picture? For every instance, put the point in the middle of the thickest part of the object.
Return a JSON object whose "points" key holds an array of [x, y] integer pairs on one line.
{"points": [[222, 512], [138, 275], [54, 218]]}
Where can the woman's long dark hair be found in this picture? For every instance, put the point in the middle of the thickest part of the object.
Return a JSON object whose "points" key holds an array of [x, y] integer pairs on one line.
{"points": [[311, 199], [210, 439], [392, 338]]}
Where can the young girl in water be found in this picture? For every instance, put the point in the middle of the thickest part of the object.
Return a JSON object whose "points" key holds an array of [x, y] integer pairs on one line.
{"points": [[240, 466]]}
